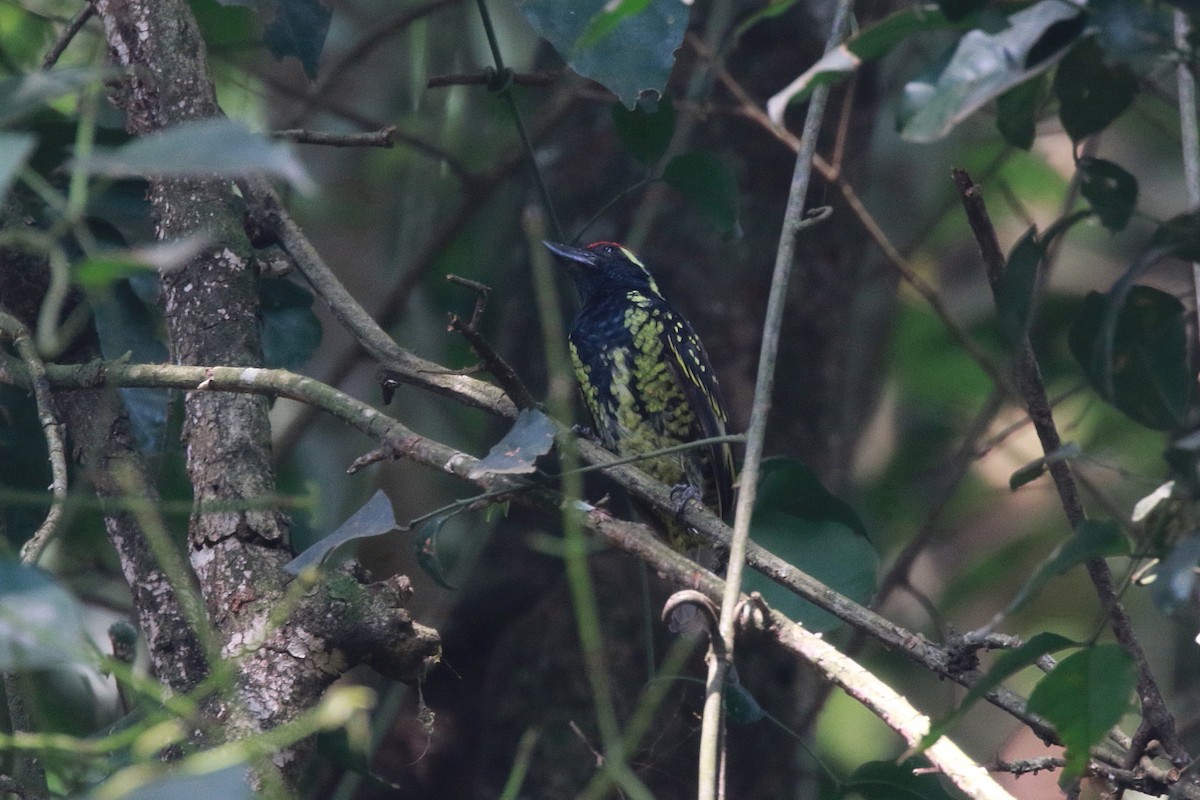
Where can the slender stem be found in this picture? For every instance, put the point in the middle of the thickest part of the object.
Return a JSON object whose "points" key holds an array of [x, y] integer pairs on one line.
{"points": [[526, 143], [1188, 129], [764, 384]]}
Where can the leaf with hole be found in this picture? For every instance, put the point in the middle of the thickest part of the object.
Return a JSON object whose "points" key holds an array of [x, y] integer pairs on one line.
{"points": [[636, 50], [1091, 92], [530, 438]]}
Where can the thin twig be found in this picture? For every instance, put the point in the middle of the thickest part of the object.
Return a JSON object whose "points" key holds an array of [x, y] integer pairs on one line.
{"points": [[384, 137], [12, 329], [1157, 721], [500, 369], [793, 220], [68, 33]]}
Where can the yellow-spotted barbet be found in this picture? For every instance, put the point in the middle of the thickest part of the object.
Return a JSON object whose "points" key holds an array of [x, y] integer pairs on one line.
{"points": [[645, 378]]}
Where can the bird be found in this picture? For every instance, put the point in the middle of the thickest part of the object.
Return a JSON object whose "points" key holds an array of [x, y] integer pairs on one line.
{"points": [[646, 379]]}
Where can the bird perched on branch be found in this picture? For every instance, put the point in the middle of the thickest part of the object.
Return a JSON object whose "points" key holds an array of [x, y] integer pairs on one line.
{"points": [[645, 378]]}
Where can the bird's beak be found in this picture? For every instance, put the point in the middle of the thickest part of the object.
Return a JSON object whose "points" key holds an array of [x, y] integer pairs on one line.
{"points": [[575, 254]]}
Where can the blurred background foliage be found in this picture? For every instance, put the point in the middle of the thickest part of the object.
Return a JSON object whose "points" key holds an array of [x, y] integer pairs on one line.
{"points": [[875, 394]]}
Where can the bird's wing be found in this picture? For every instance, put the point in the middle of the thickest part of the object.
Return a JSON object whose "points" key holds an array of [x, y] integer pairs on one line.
{"points": [[691, 368]]}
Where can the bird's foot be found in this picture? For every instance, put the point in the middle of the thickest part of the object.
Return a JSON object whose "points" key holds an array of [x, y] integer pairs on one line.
{"points": [[680, 494]]}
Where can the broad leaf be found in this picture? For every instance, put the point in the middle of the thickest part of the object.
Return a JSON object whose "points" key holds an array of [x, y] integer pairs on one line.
{"points": [[1146, 373], [41, 623], [1017, 110], [22, 95], [1084, 697], [799, 520], [373, 519], [1091, 93], [708, 182], [636, 52], [298, 30], [291, 331], [1007, 664], [869, 44], [217, 146], [984, 66], [1111, 191], [530, 438], [1017, 287], [646, 131]]}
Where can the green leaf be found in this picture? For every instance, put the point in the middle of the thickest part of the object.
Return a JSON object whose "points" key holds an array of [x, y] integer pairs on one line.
{"points": [[1007, 664], [1111, 191], [109, 266], [1091, 93], [217, 146], [956, 10], [15, 149], [530, 438], [604, 23], [1180, 234], [22, 95], [887, 780], [1146, 374], [1092, 539], [1084, 697], [800, 521], [646, 131], [298, 30], [740, 706], [634, 56], [1036, 468], [291, 331], [984, 66], [1016, 287], [375, 518], [41, 623], [1017, 111], [708, 182], [871, 43]]}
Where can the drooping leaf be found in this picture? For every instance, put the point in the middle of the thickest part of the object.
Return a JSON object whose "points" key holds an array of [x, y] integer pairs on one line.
{"points": [[1091, 93], [866, 45], [1092, 539], [646, 131], [15, 149], [1111, 191], [1016, 111], [984, 66], [291, 331], [799, 520], [1084, 697], [375, 518], [1017, 287], [740, 706], [41, 623], [1146, 374], [887, 780], [22, 95], [635, 55], [708, 182], [530, 438], [298, 30], [1007, 664], [217, 146]]}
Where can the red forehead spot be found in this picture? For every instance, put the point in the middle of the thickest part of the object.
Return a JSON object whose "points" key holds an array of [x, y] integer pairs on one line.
{"points": [[594, 245]]}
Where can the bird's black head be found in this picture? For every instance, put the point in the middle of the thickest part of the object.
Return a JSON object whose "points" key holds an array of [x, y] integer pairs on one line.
{"points": [[604, 268]]}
